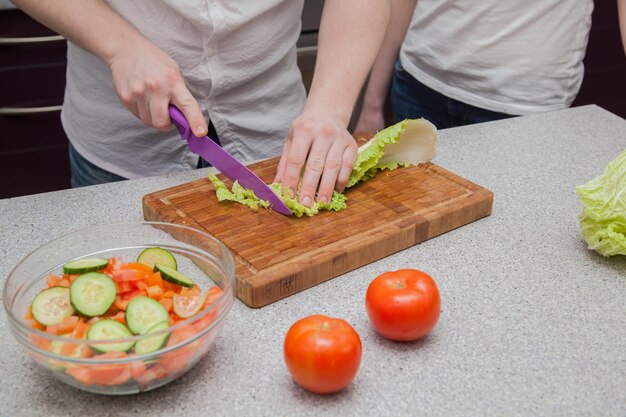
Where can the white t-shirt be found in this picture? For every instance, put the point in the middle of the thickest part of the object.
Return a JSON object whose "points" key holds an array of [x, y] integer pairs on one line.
{"points": [[511, 56], [238, 60]]}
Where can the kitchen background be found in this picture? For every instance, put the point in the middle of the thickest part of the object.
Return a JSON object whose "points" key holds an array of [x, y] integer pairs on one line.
{"points": [[33, 146]]}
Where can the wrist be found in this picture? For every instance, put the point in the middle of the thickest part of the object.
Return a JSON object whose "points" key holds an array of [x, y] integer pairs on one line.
{"points": [[340, 111], [119, 46]]}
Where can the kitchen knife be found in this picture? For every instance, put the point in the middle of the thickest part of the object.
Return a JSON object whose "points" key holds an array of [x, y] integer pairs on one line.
{"points": [[225, 162]]}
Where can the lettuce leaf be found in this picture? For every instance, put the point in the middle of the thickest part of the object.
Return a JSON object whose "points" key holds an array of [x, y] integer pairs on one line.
{"points": [[409, 142], [237, 194], [603, 219]]}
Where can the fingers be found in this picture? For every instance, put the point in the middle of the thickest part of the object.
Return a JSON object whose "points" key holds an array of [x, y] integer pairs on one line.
{"points": [[147, 82], [336, 169], [347, 162], [187, 104], [323, 156], [301, 138], [280, 170]]}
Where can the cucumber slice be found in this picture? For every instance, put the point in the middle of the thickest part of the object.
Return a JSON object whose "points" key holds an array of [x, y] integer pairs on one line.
{"points": [[82, 266], [52, 306], [109, 329], [186, 306], [92, 294], [142, 313], [173, 276], [152, 256], [153, 343]]}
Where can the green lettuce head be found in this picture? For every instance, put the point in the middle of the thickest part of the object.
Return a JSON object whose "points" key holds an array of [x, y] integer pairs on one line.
{"points": [[603, 219]]}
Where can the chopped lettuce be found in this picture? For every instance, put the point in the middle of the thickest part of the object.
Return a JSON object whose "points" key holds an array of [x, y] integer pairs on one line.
{"points": [[409, 142], [247, 197], [237, 194], [337, 203], [603, 219]]}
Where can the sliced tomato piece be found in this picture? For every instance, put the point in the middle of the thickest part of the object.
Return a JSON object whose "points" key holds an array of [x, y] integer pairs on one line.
{"points": [[167, 303], [145, 270], [115, 263], [186, 306], [132, 294], [124, 275], [154, 279], [179, 359], [212, 294], [53, 280], [138, 370], [123, 287], [121, 302], [154, 291], [107, 375]]}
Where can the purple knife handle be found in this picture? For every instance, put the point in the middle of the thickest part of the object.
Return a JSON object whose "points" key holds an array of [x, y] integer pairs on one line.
{"points": [[179, 120]]}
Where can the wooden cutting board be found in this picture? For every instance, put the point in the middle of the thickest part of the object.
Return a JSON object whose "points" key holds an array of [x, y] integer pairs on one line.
{"points": [[277, 256]]}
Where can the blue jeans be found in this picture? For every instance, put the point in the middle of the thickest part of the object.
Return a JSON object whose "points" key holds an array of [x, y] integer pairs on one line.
{"points": [[83, 172], [411, 99]]}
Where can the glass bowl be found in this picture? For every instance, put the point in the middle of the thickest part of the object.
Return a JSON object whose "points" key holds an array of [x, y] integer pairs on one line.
{"points": [[80, 362]]}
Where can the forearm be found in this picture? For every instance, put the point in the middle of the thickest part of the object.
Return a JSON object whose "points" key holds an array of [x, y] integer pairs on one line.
{"points": [[382, 70], [91, 24], [350, 36], [621, 10]]}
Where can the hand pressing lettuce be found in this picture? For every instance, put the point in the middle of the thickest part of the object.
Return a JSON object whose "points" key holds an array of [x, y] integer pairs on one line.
{"points": [[603, 220], [409, 142]]}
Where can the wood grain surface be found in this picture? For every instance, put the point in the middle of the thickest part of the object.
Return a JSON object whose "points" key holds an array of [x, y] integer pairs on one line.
{"points": [[277, 256]]}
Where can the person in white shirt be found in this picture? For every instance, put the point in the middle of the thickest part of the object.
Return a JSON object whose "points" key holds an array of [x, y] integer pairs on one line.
{"points": [[230, 62], [457, 62]]}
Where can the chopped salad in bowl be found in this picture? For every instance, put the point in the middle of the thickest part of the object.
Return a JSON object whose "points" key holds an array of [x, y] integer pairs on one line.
{"points": [[122, 308]]}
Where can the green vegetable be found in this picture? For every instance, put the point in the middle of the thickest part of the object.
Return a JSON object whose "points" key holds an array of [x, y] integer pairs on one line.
{"points": [[238, 194], [603, 219], [52, 305], [108, 330], [92, 294], [409, 142], [144, 312], [173, 276], [153, 256], [153, 343], [337, 203], [82, 266]]}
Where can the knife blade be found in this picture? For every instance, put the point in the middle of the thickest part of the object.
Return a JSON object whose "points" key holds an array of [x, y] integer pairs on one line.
{"points": [[225, 162]]}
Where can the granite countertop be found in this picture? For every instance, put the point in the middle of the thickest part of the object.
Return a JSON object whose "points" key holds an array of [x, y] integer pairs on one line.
{"points": [[532, 323]]}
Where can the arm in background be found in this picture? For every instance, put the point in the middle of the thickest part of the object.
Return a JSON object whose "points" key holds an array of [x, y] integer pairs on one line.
{"points": [[371, 118]]}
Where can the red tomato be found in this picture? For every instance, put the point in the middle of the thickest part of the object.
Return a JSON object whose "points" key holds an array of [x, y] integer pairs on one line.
{"points": [[110, 374], [124, 275], [323, 354], [403, 305]]}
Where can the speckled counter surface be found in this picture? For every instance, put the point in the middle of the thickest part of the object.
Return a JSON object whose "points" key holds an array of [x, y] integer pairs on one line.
{"points": [[532, 322]]}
